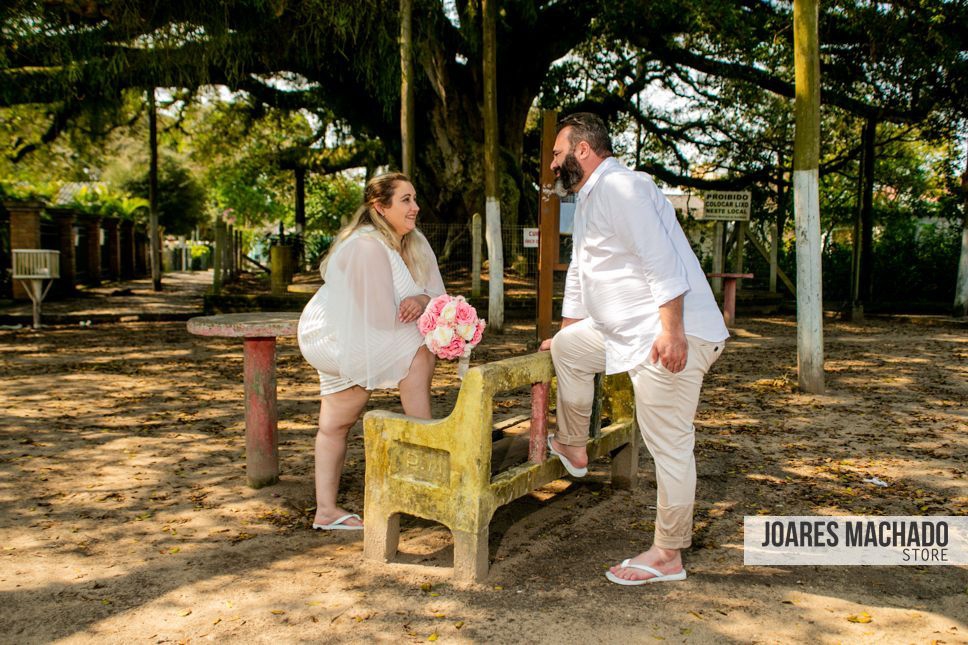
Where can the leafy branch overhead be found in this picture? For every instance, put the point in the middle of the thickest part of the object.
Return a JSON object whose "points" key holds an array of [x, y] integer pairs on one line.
{"points": [[705, 86]]}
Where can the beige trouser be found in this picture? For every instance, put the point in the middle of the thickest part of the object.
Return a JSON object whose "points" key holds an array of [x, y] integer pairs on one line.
{"points": [[665, 406]]}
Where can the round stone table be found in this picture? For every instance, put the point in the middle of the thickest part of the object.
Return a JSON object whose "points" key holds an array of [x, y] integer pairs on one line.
{"points": [[258, 331]]}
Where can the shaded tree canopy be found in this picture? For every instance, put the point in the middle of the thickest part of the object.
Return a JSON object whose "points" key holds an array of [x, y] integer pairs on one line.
{"points": [[902, 61]]}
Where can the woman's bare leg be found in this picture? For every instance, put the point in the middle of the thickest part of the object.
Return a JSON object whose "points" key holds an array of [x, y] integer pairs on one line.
{"points": [[337, 414], [415, 387]]}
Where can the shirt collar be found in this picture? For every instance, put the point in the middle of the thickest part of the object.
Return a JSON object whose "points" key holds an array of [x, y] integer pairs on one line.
{"points": [[594, 177]]}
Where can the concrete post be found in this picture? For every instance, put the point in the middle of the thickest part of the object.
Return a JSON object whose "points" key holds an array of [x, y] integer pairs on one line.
{"points": [[114, 248], [24, 234], [93, 227]]}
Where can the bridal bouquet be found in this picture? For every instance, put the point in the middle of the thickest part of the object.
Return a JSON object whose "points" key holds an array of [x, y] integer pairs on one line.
{"points": [[451, 329]]}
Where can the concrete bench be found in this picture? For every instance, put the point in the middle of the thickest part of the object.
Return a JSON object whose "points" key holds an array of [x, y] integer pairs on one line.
{"points": [[440, 470]]}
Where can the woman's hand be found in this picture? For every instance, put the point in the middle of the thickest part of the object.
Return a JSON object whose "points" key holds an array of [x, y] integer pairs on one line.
{"points": [[411, 308]]}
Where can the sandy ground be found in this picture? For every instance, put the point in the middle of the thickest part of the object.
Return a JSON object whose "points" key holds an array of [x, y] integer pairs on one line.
{"points": [[126, 518]]}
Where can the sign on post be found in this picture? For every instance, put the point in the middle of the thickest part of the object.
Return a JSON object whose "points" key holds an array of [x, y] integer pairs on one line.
{"points": [[726, 205], [530, 238]]}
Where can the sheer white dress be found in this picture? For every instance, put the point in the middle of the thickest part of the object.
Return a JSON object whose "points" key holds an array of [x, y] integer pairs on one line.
{"points": [[350, 330]]}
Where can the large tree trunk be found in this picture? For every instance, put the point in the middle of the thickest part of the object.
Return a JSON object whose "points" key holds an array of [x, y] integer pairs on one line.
{"points": [[865, 287], [154, 234], [407, 120], [961, 284]]}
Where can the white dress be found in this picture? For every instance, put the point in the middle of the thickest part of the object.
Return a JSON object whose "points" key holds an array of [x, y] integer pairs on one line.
{"points": [[350, 331]]}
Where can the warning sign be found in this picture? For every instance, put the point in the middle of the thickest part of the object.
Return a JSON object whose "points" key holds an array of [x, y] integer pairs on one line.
{"points": [[726, 205], [530, 238]]}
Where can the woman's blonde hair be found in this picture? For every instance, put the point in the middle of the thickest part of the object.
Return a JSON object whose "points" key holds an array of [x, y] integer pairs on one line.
{"points": [[380, 190]]}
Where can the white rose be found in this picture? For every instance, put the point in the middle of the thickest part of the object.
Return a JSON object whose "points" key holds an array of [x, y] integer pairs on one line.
{"points": [[448, 313], [442, 335], [466, 331]]}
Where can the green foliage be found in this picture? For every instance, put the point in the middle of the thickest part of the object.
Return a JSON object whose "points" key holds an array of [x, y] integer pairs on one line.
{"points": [[181, 199], [22, 191], [101, 200], [330, 199], [916, 261], [317, 245]]}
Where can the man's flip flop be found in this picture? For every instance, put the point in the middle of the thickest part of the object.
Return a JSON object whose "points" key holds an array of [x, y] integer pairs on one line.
{"points": [[658, 576], [339, 526], [574, 472]]}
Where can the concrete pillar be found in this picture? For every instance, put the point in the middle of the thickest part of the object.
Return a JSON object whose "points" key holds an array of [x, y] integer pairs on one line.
{"points": [[128, 261], [114, 247], [93, 226], [24, 234], [64, 219], [140, 253]]}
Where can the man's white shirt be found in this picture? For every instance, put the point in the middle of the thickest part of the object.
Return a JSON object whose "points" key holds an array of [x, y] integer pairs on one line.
{"points": [[630, 256]]}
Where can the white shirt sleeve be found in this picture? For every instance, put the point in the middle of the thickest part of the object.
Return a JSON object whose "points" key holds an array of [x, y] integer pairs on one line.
{"points": [[571, 304], [637, 219]]}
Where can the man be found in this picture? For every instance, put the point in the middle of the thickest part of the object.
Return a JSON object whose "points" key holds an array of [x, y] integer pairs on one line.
{"points": [[637, 301]]}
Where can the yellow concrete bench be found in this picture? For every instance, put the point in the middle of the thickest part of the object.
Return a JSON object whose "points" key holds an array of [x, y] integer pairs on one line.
{"points": [[440, 469]]}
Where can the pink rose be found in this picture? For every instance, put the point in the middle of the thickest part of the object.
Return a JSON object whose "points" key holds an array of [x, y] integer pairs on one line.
{"points": [[466, 314], [454, 350]]}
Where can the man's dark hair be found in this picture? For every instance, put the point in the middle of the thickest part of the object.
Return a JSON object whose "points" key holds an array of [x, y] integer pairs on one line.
{"points": [[588, 127]]}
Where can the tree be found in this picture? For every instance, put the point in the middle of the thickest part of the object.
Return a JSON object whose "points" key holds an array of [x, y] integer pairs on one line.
{"points": [[334, 60], [181, 199]]}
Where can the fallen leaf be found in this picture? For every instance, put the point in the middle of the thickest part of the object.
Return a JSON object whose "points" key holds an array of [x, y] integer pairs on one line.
{"points": [[440, 616], [426, 587], [278, 612], [458, 624], [433, 637], [185, 612], [862, 617], [696, 615]]}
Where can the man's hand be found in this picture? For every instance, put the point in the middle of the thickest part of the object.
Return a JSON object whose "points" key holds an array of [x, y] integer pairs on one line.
{"points": [[546, 343], [671, 350], [412, 307], [671, 347]]}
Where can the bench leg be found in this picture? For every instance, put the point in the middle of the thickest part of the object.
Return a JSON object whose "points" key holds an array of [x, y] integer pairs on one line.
{"points": [[729, 301], [625, 462], [381, 536], [470, 555], [261, 417]]}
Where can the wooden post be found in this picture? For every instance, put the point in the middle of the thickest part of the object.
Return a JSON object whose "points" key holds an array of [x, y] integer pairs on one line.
{"points": [[407, 116], [806, 162], [719, 262], [548, 214], [476, 255], [217, 256], [492, 194], [153, 234], [774, 253], [300, 227], [738, 257]]}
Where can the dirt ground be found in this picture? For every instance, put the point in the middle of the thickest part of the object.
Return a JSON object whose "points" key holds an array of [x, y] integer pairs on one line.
{"points": [[126, 517]]}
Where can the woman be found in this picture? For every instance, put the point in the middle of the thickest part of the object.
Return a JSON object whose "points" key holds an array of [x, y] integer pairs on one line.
{"points": [[360, 329]]}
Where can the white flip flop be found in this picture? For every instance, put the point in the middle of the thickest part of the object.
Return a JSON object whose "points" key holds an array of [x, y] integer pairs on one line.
{"points": [[572, 470], [658, 576], [337, 525]]}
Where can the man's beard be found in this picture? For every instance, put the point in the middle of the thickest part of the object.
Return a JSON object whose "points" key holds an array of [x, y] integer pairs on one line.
{"points": [[569, 173]]}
